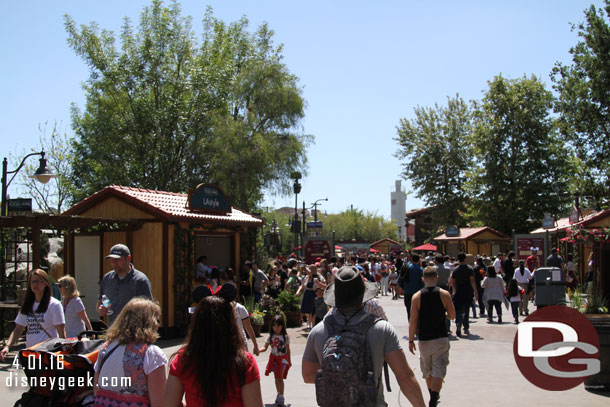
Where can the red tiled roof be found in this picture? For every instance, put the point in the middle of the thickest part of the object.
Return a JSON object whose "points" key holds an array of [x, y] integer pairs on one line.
{"points": [[592, 217], [167, 205], [468, 233], [560, 225], [388, 240], [419, 211]]}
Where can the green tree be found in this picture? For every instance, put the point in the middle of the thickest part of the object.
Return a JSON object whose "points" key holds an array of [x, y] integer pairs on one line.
{"points": [[356, 224], [436, 156], [167, 112], [53, 196], [584, 100], [256, 126], [522, 164]]}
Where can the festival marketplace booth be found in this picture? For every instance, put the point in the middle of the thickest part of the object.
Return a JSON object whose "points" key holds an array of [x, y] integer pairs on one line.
{"points": [[386, 246], [174, 230], [480, 240]]}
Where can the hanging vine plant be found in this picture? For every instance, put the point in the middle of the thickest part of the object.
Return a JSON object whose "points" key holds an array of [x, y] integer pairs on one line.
{"points": [[577, 234], [184, 253]]}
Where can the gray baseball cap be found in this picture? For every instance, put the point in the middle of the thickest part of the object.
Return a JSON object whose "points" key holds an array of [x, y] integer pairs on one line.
{"points": [[118, 250]]}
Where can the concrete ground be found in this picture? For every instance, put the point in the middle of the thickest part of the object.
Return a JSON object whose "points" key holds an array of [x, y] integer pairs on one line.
{"points": [[482, 371]]}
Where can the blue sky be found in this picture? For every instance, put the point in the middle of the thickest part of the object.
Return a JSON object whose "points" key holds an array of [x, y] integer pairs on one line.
{"points": [[363, 66]]}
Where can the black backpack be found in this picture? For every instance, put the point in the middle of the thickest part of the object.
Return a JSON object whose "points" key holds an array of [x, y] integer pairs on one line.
{"points": [[346, 377]]}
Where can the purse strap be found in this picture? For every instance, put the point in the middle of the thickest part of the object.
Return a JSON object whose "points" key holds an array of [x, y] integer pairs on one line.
{"points": [[106, 357]]}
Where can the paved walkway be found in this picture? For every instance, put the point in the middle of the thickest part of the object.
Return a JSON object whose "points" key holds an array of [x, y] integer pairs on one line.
{"points": [[482, 371]]}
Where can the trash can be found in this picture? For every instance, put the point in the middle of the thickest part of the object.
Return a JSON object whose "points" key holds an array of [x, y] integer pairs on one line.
{"points": [[550, 286]]}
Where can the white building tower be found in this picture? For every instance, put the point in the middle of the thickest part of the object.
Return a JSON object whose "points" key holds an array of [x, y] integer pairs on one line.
{"points": [[399, 202]]}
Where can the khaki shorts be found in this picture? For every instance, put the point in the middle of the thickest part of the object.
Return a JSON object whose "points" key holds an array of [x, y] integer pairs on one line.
{"points": [[434, 357]]}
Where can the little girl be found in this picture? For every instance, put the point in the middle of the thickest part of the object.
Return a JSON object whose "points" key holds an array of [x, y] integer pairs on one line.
{"points": [[394, 282], [279, 359]]}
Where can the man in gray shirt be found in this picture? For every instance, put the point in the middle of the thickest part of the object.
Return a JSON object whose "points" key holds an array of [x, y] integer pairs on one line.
{"points": [[121, 284], [259, 283], [348, 293], [443, 272]]}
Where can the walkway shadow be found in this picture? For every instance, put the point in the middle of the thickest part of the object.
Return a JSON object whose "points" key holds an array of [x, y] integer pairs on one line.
{"points": [[598, 392], [473, 337]]}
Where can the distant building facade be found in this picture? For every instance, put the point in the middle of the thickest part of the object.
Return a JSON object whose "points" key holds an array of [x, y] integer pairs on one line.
{"points": [[422, 220]]}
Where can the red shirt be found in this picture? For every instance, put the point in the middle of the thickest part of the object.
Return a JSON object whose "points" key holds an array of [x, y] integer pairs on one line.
{"points": [[191, 388], [532, 262]]}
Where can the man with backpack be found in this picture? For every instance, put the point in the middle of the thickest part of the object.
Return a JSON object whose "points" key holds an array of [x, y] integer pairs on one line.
{"points": [[344, 355]]}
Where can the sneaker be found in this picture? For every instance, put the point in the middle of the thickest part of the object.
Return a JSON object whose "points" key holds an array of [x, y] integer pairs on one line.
{"points": [[516, 320], [458, 330], [466, 332], [499, 320]]}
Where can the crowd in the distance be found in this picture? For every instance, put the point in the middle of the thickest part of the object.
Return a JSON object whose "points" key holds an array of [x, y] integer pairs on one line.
{"points": [[220, 326]]}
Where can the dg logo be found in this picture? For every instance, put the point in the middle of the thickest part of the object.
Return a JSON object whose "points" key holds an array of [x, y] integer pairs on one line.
{"points": [[556, 348]]}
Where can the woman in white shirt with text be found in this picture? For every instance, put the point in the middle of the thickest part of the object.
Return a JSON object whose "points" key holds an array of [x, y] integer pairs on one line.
{"points": [[42, 314]]}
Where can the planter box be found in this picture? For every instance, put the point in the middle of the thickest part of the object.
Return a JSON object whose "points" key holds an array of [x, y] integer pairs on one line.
{"points": [[293, 319], [267, 323], [257, 330], [601, 381]]}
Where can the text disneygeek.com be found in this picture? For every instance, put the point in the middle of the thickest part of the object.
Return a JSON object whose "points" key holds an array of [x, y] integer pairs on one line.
{"points": [[62, 383], [33, 363]]}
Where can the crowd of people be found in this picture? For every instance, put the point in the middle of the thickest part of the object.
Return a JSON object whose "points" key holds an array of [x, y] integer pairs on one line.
{"points": [[335, 294]]}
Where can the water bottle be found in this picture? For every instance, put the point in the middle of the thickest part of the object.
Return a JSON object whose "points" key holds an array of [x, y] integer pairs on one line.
{"points": [[106, 303]]}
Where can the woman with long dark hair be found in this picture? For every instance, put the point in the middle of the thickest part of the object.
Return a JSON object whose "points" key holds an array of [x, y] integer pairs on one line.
{"points": [[213, 369], [42, 314]]}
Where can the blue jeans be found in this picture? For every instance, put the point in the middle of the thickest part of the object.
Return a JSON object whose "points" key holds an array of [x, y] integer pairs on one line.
{"points": [[514, 305], [462, 312], [408, 298]]}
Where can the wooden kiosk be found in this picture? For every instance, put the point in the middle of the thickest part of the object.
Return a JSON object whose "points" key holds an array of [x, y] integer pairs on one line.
{"points": [[175, 229], [480, 240]]}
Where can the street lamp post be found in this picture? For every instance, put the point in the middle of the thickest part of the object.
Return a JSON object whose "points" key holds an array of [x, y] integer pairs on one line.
{"points": [[296, 176], [304, 213], [42, 174], [315, 208]]}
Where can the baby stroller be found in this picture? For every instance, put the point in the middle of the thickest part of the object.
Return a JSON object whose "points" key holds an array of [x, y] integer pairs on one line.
{"points": [[60, 372]]}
